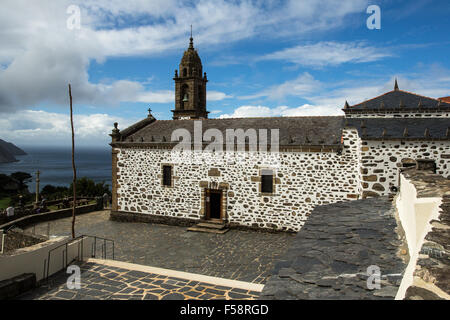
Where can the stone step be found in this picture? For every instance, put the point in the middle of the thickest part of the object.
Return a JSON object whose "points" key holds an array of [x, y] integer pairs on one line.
{"points": [[211, 225], [198, 229], [215, 221]]}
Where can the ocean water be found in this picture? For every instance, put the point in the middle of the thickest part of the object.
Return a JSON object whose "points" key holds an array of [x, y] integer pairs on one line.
{"points": [[55, 165]]}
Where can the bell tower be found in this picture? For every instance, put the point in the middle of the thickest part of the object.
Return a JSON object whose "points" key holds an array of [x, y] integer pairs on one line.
{"points": [[190, 86]]}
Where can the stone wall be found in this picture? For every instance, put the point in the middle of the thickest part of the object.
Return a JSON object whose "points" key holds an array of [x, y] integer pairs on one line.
{"points": [[424, 210], [381, 161], [27, 220], [302, 181], [353, 145], [16, 239]]}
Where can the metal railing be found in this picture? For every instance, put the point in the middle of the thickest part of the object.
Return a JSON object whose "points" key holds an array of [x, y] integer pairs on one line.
{"points": [[79, 257], [10, 228]]}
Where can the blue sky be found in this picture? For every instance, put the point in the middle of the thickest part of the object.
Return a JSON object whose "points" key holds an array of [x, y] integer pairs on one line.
{"points": [[263, 58]]}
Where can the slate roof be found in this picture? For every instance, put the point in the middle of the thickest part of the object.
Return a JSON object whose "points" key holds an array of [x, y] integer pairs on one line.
{"points": [[295, 131], [329, 256], [394, 128], [398, 100]]}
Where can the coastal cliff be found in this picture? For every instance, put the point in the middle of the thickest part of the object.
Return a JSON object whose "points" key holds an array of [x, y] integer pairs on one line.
{"points": [[8, 151]]}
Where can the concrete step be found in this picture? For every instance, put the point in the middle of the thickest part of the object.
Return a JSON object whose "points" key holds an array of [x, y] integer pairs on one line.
{"points": [[218, 226], [213, 221], [208, 230]]}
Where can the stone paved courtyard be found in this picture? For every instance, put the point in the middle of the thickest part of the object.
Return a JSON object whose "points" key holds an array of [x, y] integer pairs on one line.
{"points": [[239, 255], [103, 282]]}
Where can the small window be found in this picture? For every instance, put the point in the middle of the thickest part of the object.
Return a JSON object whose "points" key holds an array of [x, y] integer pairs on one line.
{"points": [[267, 181], [184, 72], [167, 176]]}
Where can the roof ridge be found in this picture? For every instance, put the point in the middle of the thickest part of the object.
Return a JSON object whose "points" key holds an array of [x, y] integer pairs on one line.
{"points": [[280, 117], [419, 95], [399, 90], [380, 95]]}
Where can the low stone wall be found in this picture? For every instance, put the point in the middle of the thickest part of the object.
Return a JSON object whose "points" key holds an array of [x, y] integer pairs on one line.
{"points": [[29, 210], [424, 209], [19, 239], [121, 216], [52, 215], [151, 218]]}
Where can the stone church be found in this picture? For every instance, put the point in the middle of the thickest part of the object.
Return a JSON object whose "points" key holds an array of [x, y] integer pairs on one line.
{"points": [[320, 160]]}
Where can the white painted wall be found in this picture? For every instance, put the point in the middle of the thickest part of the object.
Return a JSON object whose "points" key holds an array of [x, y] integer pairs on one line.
{"points": [[415, 215], [31, 259]]}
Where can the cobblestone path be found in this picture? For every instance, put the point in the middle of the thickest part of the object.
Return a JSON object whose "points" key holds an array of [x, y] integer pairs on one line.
{"points": [[240, 255], [100, 282]]}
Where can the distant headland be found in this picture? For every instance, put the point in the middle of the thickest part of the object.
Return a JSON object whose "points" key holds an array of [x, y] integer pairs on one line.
{"points": [[8, 151]]}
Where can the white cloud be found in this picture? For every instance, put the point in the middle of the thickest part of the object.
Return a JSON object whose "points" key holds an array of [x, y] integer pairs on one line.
{"points": [[40, 56], [49, 128], [329, 99], [283, 111], [163, 96], [329, 53], [216, 96], [302, 85]]}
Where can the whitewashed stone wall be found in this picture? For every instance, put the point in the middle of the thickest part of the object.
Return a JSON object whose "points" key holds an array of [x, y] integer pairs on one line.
{"points": [[302, 181], [381, 161], [353, 145]]}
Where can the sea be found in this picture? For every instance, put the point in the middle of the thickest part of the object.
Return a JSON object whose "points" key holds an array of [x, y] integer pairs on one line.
{"points": [[55, 165]]}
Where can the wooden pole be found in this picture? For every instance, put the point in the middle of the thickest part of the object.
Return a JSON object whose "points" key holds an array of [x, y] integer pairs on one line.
{"points": [[37, 188], [74, 182]]}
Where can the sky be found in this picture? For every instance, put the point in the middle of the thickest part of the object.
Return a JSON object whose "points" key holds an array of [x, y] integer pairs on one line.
{"points": [[262, 58]]}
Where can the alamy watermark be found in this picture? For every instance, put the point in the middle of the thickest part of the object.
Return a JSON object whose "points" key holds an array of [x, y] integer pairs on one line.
{"points": [[74, 20], [374, 277], [374, 20], [237, 145], [74, 280]]}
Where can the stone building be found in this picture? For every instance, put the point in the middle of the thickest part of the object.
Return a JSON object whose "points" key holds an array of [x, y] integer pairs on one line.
{"points": [[307, 161]]}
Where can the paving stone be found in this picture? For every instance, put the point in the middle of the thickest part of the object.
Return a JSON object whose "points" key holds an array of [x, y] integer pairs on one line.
{"points": [[173, 296], [65, 294], [150, 296], [132, 289], [237, 255]]}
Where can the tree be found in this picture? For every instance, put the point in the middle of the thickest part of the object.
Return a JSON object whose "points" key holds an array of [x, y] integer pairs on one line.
{"points": [[52, 193], [8, 185], [86, 187], [22, 178]]}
